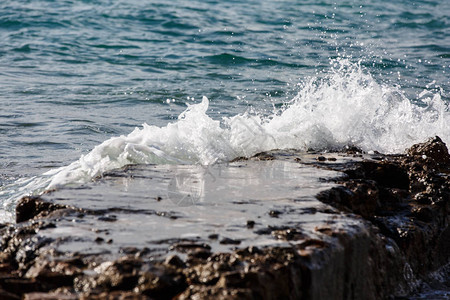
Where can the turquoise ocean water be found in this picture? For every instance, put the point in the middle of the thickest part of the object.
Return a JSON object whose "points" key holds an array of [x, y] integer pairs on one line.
{"points": [[77, 77]]}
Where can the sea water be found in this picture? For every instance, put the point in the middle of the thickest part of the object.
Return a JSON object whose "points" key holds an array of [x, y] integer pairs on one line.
{"points": [[90, 86]]}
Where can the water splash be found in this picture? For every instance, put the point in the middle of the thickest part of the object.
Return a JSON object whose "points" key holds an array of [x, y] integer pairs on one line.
{"points": [[345, 107], [348, 107]]}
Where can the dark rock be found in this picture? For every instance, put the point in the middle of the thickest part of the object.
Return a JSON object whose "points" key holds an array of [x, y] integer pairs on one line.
{"points": [[189, 247], [352, 150], [228, 241], [424, 214], [175, 260], [252, 250], [325, 229], [129, 250], [165, 285], [5, 267], [434, 148], [20, 286], [290, 234], [198, 253], [274, 213], [122, 274], [361, 197], [231, 280], [119, 295], [54, 274], [4, 295], [213, 236], [266, 230], [398, 238], [250, 224], [384, 173], [30, 207]]}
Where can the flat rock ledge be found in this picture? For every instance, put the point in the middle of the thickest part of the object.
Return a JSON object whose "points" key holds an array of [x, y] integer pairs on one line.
{"points": [[396, 244]]}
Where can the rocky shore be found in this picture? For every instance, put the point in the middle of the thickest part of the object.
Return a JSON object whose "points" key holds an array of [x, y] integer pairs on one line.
{"points": [[378, 229]]}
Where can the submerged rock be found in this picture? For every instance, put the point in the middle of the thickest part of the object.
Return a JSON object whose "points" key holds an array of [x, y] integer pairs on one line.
{"points": [[383, 232]]}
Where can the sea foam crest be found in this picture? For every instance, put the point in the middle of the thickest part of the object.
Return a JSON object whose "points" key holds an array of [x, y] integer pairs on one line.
{"points": [[346, 107]]}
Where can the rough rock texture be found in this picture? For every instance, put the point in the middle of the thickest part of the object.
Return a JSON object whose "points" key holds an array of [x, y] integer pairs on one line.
{"points": [[403, 247], [434, 148], [407, 198], [31, 207]]}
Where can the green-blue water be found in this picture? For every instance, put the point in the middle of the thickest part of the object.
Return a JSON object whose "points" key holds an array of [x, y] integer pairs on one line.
{"points": [[310, 74], [74, 73]]}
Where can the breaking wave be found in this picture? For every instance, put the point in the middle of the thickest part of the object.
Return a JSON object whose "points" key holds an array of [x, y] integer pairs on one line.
{"points": [[345, 107]]}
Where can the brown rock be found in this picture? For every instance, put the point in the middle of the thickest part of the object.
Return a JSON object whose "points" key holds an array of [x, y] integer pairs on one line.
{"points": [[186, 247], [290, 234], [400, 236], [121, 274], [4, 295], [114, 295], [49, 296], [263, 156], [162, 284], [175, 260], [434, 148], [21, 286], [5, 268], [30, 207]]}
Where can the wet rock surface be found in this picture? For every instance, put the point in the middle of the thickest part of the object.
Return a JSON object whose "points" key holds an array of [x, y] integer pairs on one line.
{"points": [[253, 229]]}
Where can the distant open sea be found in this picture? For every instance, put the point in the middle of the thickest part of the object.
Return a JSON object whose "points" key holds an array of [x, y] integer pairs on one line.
{"points": [[78, 76]]}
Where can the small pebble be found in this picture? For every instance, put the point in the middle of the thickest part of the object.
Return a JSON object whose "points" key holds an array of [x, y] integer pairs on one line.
{"points": [[228, 241], [274, 213], [213, 236], [250, 224]]}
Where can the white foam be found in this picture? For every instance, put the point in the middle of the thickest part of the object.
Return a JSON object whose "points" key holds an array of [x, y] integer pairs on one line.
{"points": [[350, 108], [347, 107]]}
